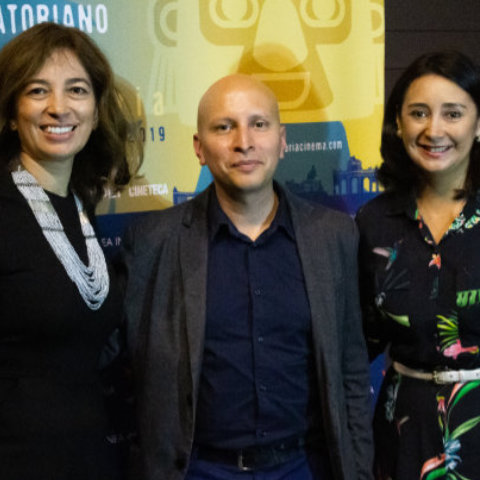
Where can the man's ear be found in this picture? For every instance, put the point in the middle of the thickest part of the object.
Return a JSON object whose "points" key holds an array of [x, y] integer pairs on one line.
{"points": [[283, 140], [197, 146], [13, 125]]}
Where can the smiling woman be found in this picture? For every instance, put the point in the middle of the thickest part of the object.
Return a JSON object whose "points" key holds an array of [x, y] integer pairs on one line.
{"points": [[56, 114], [64, 139], [419, 261], [103, 160], [438, 123]]}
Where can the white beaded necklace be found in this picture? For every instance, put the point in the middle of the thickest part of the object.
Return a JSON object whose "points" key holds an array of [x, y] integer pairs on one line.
{"points": [[92, 281]]}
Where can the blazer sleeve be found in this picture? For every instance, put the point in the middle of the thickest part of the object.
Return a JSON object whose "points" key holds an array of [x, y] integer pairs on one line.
{"points": [[133, 269], [356, 371]]}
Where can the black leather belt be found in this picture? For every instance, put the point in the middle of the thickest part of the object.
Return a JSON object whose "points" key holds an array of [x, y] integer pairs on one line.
{"points": [[254, 458]]}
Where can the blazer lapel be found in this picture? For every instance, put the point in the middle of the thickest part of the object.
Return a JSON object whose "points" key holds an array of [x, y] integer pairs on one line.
{"points": [[193, 261], [315, 256]]}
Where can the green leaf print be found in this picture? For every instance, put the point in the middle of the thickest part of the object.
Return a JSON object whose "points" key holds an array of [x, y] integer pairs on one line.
{"points": [[465, 427], [449, 337], [462, 391], [401, 319], [445, 464], [436, 474], [448, 330]]}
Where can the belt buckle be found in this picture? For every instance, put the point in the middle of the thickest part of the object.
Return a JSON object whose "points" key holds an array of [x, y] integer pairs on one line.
{"points": [[436, 374], [240, 463]]}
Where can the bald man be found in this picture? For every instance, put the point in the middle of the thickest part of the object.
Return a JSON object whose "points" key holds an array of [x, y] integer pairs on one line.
{"points": [[244, 323]]}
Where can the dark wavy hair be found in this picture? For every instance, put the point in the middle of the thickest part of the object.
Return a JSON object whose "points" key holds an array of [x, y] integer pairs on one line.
{"points": [[398, 172], [114, 150]]}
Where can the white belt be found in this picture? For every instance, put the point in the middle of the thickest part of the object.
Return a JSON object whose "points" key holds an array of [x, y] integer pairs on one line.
{"points": [[440, 376]]}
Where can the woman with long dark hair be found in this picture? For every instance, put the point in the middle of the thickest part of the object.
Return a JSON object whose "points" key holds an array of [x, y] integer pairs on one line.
{"points": [[420, 273], [64, 139]]}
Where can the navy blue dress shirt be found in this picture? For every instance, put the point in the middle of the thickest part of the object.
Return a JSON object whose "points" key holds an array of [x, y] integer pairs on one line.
{"points": [[258, 378]]}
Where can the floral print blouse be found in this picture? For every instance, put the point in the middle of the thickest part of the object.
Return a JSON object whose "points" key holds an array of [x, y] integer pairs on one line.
{"points": [[420, 297]]}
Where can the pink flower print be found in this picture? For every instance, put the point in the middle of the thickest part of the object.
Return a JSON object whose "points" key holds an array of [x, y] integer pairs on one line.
{"points": [[441, 405], [453, 351], [436, 261], [432, 464]]}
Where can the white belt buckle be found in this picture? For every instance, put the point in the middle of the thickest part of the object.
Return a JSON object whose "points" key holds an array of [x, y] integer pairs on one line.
{"points": [[447, 376], [438, 377]]}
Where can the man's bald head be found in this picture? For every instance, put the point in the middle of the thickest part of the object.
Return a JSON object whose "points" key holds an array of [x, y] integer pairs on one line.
{"points": [[228, 85], [239, 136]]}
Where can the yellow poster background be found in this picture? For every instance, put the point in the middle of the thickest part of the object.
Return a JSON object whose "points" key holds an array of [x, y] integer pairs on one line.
{"points": [[324, 59]]}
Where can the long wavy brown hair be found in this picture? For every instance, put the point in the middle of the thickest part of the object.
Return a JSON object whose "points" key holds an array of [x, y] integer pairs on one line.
{"points": [[114, 150]]}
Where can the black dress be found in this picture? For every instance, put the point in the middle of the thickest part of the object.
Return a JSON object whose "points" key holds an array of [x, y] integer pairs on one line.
{"points": [[423, 299], [53, 420]]}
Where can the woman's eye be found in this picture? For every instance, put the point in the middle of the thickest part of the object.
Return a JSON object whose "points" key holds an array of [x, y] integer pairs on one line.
{"points": [[454, 114], [36, 91], [418, 114], [77, 90]]}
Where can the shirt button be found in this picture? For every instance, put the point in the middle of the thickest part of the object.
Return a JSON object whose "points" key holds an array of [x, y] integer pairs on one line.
{"points": [[263, 388], [257, 291], [260, 339]]}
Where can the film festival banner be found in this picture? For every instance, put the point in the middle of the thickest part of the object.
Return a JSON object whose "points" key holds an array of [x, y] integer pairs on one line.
{"points": [[324, 59]]}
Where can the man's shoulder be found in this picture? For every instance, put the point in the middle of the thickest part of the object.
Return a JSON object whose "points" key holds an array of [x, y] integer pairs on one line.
{"points": [[316, 213], [169, 218], [157, 219]]}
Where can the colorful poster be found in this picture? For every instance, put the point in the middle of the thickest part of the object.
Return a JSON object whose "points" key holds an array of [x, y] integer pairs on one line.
{"points": [[323, 58]]}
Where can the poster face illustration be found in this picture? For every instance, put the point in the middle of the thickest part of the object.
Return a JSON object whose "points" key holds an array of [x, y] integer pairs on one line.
{"points": [[322, 58]]}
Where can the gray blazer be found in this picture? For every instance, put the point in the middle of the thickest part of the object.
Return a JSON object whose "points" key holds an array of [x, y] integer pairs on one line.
{"points": [[166, 261]]}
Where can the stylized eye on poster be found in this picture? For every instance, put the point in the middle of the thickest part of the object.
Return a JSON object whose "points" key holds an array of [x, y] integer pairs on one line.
{"points": [[322, 58]]}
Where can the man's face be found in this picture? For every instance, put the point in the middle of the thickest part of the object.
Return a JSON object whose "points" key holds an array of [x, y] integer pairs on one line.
{"points": [[239, 136]]}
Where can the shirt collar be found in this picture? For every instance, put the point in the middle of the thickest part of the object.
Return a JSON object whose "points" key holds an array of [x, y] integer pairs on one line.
{"points": [[473, 205], [406, 204], [218, 220]]}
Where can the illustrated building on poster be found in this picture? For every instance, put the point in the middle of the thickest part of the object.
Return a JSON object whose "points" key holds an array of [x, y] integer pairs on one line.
{"points": [[317, 165], [352, 187]]}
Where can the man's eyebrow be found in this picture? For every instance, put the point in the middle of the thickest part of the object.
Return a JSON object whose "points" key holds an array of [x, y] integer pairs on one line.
{"points": [[215, 120]]}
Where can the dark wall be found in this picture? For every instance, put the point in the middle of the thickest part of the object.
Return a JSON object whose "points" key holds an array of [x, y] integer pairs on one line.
{"points": [[413, 27]]}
